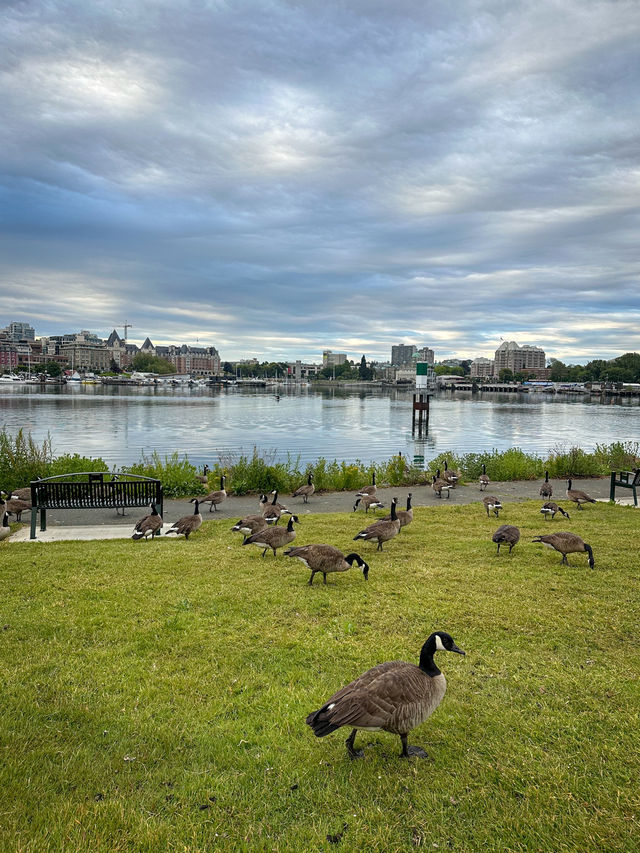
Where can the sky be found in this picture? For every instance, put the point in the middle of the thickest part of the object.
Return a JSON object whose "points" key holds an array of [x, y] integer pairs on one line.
{"points": [[277, 178]]}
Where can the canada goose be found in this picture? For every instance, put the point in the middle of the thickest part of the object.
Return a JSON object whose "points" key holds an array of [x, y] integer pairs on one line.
{"points": [[439, 485], [150, 524], [217, 497], [566, 543], [204, 477], [17, 507], [392, 697], [270, 511], [368, 490], [405, 516], [275, 501], [506, 534], [491, 503], [5, 530], [250, 524], [551, 508], [305, 491], [22, 494], [188, 523], [578, 497], [450, 476], [326, 559], [368, 501], [546, 489], [484, 479], [273, 537], [382, 531]]}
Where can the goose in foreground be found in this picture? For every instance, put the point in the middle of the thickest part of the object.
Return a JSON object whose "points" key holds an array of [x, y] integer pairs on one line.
{"points": [[492, 504], [393, 697], [326, 559], [368, 490], [204, 477], [546, 489], [22, 494], [382, 531], [578, 497], [368, 501], [17, 507], [273, 537], [250, 524], [306, 490], [214, 499], [188, 523], [550, 508], [506, 534], [150, 525], [5, 530], [405, 516], [483, 478], [439, 485], [566, 543]]}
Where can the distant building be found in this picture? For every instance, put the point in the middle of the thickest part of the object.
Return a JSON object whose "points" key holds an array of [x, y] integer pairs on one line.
{"points": [[516, 358], [481, 367], [426, 354], [298, 370], [333, 359], [402, 354], [19, 332]]}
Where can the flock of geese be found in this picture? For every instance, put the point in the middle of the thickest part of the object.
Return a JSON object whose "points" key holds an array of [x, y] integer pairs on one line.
{"points": [[395, 696]]}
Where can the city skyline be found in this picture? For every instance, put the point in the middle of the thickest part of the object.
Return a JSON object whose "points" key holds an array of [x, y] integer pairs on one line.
{"points": [[275, 179]]}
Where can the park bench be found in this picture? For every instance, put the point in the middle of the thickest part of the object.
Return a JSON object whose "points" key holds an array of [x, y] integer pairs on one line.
{"points": [[92, 491], [625, 480]]}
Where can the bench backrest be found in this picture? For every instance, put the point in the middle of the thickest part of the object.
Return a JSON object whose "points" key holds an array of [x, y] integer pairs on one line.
{"points": [[628, 478], [94, 490]]}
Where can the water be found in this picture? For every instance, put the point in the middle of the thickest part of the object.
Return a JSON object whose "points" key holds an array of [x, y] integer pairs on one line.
{"points": [[118, 423]]}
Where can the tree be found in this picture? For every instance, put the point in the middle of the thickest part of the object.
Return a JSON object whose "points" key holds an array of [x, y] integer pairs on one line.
{"points": [[446, 370], [52, 368], [227, 367], [365, 373], [151, 364], [506, 375]]}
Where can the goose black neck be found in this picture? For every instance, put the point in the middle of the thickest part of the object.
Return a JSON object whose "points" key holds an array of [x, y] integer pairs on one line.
{"points": [[275, 499], [393, 510], [195, 507], [290, 524], [408, 503], [5, 519], [427, 663]]}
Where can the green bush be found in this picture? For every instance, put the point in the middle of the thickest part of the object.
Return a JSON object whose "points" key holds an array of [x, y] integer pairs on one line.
{"points": [[574, 462], [70, 463], [177, 474], [22, 459]]}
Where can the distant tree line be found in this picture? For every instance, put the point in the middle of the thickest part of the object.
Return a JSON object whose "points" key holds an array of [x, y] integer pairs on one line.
{"points": [[625, 368]]}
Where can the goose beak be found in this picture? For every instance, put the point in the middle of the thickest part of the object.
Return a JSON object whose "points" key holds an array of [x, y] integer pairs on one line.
{"points": [[456, 649]]}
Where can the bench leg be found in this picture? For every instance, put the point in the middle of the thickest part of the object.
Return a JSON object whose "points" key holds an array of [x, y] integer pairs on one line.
{"points": [[635, 496], [43, 519], [34, 515], [612, 488]]}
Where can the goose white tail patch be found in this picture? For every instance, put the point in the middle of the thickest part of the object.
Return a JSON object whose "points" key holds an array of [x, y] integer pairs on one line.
{"points": [[332, 705], [439, 644]]}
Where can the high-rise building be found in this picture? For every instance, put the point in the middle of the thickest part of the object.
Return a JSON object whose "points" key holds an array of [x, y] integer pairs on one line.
{"points": [[515, 358], [481, 367], [20, 332], [426, 354], [333, 359], [402, 354]]}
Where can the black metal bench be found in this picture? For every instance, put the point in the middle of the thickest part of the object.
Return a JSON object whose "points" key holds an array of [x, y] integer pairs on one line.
{"points": [[625, 480], [89, 490]]}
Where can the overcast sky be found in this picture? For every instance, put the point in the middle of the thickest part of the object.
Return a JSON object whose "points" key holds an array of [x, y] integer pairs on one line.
{"points": [[277, 178]]}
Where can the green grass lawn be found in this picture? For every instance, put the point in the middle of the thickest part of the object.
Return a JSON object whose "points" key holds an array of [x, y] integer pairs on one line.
{"points": [[154, 693]]}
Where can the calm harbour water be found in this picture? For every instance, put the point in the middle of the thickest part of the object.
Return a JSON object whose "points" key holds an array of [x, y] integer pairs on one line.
{"points": [[119, 422]]}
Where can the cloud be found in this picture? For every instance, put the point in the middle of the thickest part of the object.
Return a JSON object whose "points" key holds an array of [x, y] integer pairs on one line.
{"points": [[277, 178]]}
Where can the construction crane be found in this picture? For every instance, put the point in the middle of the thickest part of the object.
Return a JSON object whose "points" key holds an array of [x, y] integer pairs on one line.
{"points": [[126, 326]]}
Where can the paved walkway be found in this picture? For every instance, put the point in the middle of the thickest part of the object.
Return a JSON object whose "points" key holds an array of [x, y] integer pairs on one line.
{"points": [[105, 524]]}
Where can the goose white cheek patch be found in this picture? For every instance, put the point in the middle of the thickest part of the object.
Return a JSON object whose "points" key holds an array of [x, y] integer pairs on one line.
{"points": [[439, 646]]}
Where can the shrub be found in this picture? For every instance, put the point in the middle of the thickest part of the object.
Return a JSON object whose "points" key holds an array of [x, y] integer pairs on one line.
{"points": [[69, 463], [178, 475], [22, 459], [573, 462]]}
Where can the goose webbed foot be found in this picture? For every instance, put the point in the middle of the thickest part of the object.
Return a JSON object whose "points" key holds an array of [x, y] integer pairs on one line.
{"points": [[411, 751], [352, 752]]}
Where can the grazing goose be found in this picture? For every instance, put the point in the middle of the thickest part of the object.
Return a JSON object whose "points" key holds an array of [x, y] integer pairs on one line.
{"points": [[551, 508], [17, 507], [382, 531], [250, 524], [22, 494], [368, 490], [5, 530], [273, 537], [546, 489], [188, 523], [439, 485], [484, 479], [204, 477], [405, 516], [368, 501], [578, 497], [506, 534], [305, 491], [392, 697], [566, 543], [217, 497], [491, 503], [326, 559], [149, 525]]}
